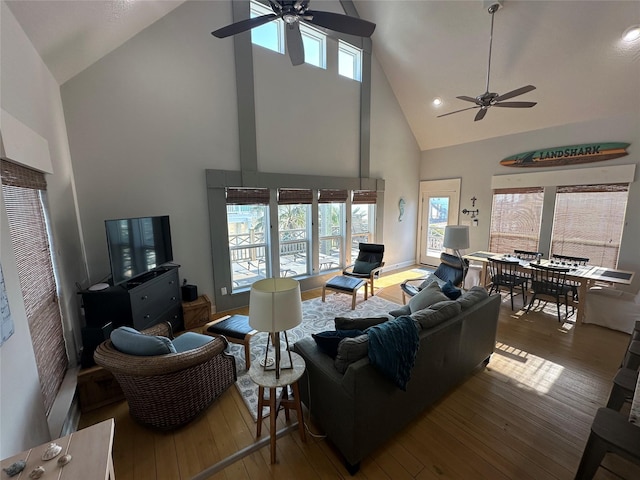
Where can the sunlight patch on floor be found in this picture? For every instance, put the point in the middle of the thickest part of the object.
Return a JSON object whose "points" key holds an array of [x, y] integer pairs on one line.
{"points": [[525, 369]]}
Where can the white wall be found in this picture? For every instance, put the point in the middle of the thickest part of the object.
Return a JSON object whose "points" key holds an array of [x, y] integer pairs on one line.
{"points": [[146, 120], [30, 94], [477, 162], [395, 157]]}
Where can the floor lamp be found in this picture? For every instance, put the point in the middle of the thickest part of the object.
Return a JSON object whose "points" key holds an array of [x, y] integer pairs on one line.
{"points": [[456, 237], [275, 306]]}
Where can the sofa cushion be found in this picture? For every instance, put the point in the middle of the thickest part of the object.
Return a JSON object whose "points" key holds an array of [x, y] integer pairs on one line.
{"points": [[351, 350], [427, 296], [472, 296], [399, 312], [450, 290], [436, 314], [345, 323], [130, 341], [328, 341]]}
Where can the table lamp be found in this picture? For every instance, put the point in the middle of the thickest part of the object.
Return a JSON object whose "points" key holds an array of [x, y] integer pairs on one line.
{"points": [[456, 237], [275, 306]]}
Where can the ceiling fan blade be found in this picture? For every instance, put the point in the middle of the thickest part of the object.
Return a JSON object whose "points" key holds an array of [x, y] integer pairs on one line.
{"points": [[480, 115], [243, 25], [294, 43], [467, 99], [515, 104], [341, 23], [515, 93], [456, 111]]}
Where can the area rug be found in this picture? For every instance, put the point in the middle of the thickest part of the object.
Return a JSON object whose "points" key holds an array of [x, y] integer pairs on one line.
{"points": [[317, 317]]}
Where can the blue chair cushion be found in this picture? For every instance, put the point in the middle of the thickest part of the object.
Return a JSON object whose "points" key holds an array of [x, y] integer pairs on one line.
{"points": [[130, 341], [451, 291], [190, 340], [364, 268]]}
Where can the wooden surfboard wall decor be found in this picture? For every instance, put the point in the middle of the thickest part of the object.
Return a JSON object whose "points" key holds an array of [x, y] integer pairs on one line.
{"points": [[567, 155]]}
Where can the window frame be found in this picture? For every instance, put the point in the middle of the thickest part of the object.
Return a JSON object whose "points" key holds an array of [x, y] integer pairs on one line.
{"points": [[539, 203], [353, 52], [589, 244], [257, 9]]}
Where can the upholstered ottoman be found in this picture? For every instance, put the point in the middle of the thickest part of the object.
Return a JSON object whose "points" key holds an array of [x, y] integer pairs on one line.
{"points": [[236, 329], [344, 284]]}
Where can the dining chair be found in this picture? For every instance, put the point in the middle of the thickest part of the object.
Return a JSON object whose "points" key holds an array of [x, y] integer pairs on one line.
{"points": [[505, 274], [569, 261], [550, 284]]}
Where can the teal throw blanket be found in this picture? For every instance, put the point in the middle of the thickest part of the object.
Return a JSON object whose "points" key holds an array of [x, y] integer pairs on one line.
{"points": [[393, 346]]}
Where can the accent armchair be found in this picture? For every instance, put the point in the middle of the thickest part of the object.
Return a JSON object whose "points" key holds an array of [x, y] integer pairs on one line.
{"points": [[368, 265], [450, 269], [167, 390]]}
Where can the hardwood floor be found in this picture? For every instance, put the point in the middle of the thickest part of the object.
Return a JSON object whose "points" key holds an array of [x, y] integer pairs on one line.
{"points": [[526, 416]]}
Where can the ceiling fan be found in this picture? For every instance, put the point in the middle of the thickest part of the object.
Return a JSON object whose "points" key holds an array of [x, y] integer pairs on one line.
{"points": [[490, 99], [292, 12]]}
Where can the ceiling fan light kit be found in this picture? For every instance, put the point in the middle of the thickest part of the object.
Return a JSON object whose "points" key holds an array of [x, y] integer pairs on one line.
{"points": [[292, 12], [492, 99]]}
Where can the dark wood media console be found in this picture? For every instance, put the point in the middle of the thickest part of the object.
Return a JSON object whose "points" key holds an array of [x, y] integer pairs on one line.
{"points": [[140, 303]]}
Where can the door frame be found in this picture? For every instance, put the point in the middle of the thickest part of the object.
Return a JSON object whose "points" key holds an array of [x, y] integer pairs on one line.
{"points": [[432, 188]]}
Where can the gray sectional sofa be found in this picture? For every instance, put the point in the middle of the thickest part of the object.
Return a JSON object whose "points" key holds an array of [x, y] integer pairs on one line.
{"points": [[360, 409]]}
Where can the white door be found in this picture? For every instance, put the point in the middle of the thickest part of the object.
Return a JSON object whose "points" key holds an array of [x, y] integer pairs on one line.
{"points": [[439, 205]]}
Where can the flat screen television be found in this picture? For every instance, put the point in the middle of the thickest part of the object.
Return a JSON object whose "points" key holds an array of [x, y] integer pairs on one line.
{"points": [[137, 246]]}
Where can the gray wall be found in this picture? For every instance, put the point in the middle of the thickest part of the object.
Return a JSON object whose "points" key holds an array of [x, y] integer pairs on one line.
{"points": [[477, 162], [147, 120], [30, 94]]}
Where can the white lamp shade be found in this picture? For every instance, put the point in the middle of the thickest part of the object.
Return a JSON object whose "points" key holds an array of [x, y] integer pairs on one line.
{"points": [[456, 237], [275, 304]]}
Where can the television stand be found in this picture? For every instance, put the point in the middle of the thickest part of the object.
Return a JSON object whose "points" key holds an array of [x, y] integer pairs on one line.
{"points": [[140, 303]]}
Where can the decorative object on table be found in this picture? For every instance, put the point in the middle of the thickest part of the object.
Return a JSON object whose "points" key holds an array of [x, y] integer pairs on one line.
{"points": [[295, 13], [64, 459], [491, 99], [15, 468], [52, 451], [456, 237], [401, 204], [189, 292], [275, 306], [37, 472], [567, 155]]}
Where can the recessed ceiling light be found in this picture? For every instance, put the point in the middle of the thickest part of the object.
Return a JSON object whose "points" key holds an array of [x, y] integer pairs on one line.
{"points": [[631, 33], [437, 101]]}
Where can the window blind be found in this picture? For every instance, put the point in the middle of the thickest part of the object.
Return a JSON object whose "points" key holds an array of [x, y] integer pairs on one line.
{"points": [[247, 196], [364, 197], [516, 215], [23, 191], [332, 196], [588, 222], [294, 196]]}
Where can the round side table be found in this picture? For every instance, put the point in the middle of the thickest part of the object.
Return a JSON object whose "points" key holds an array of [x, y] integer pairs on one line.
{"points": [[267, 379]]}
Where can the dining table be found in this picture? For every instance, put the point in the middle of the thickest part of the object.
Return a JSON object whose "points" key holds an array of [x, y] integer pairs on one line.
{"points": [[584, 275]]}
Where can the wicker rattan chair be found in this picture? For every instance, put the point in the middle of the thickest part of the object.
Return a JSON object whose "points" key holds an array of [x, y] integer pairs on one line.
{"points": [[168, 391]]}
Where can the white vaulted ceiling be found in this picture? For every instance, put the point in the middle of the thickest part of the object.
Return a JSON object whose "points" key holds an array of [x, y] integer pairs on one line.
{"points": [[570, 50]]}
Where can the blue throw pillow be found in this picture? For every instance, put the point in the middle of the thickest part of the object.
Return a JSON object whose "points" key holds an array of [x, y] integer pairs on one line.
{"points": [[130, 341], [328, 341], [363, 267], [451, 291]]}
